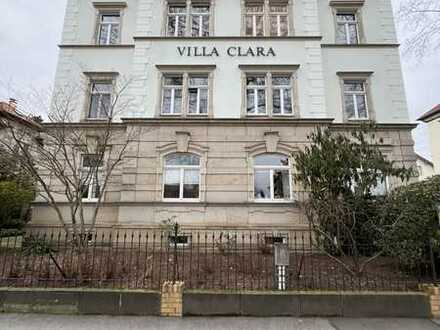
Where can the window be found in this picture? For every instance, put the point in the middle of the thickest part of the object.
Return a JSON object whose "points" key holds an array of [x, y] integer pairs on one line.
{"points": [[266, 18], [176, 21], [282, 95], [100, 100], [256, 95], [200, 21], [172, 95], [347, 28], [90, 185], [186, 93], [355, 99], [180, 241], [272, 178], [198, 17], [182, 177], [198, 95], [279, 26], [109, 28], [254, 20], [269, 94], [382, 187]]}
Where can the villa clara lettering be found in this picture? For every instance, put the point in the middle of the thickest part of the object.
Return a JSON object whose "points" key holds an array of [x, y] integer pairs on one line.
{"points": [[233, 51]]}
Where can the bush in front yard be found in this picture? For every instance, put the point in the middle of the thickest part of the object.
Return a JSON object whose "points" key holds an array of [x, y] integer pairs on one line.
{"points": [[412, 222], [14, 204]]}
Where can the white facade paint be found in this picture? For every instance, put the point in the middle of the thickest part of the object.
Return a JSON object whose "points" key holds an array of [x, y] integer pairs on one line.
{"points": [[319, 89], [228, 140]]}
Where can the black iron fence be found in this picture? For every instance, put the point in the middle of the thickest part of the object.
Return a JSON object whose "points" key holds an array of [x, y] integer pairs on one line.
{"points": [[215, 259]]}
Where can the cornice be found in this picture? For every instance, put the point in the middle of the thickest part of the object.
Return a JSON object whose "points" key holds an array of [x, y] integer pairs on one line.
{"points": [[374, 45], [243, 38], [96, 46], [226, 122]]}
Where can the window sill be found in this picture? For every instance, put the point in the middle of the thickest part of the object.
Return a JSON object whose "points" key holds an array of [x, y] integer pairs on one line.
{"points": [[273, 201], [89, 201], [172, 200]]}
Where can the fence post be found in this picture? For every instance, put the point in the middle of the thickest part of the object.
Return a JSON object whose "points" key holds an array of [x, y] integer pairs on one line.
{"points": [[282, 261]]}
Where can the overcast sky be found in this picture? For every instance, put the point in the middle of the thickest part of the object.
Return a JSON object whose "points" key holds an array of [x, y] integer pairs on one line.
{"points": [[30, 31]]}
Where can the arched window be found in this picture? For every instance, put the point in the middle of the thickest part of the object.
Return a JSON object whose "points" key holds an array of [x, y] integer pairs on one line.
{"points": [[272, 177], [182, 177]]}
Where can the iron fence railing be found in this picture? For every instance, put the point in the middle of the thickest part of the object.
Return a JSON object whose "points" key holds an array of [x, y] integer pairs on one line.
{"points": [[215, 259]]}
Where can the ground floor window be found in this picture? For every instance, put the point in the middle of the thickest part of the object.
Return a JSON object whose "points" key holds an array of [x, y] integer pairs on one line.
{"points": [[272, 177], [182, 177]]}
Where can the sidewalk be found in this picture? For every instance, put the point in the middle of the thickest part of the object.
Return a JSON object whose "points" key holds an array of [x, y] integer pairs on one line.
{"points": [[75, 322]]}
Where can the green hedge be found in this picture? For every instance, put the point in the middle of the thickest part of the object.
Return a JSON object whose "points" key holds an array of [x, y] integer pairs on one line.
{"points": [[14, 204]]}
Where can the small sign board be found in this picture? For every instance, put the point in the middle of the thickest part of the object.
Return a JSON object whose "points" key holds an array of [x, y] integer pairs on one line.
{"points": [[281, 255]]}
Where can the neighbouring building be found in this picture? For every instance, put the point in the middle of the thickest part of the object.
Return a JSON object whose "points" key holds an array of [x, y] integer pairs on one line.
{"points": [[223, 92], [425, 168], [432, 118]]}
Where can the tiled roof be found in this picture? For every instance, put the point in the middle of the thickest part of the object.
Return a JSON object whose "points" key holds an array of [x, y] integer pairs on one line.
{"points": [[9, 112]]}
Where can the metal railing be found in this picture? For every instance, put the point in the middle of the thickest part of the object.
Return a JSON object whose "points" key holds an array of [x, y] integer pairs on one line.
{"points": [[215, 259]]}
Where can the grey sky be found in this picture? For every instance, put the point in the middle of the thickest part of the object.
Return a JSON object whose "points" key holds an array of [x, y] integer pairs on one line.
{"points": [[31, 30]]}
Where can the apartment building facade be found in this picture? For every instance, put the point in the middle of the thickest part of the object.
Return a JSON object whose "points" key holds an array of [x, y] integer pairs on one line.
{"points": [[223, 93]]}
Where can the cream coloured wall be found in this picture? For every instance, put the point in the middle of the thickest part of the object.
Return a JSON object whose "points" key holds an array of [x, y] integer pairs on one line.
{"points": [[434, 139]]}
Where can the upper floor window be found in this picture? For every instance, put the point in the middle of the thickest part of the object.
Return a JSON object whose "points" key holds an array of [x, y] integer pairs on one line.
{"points": [[266, 18], [269, 94], [176, 21], [193, 20], [282, 95], [172, 95], [256, 95], [279, 23], [254, 20], [347, 30], [355, 99], [109, 28], [200, 21], [90, 170], [182, 177], [186, 93], [272, 177], [198, 95], [100, 100]]}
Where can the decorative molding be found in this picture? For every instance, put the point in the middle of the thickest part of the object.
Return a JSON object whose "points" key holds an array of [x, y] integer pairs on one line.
{"points": [[351, 74], [269, 67], [242, 38], [95, 46], [182, 140], [383, 45], [272, 139], [109, 4], [186, 67], [346, 3]]}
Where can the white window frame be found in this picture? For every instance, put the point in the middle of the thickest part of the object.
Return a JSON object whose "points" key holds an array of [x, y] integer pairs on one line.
{"points": [[272, 169], [173, 89], [92, 180], [200, 16], [278, 16], [179, 17], [347, 26], [93, 92], [199, 88], [256, 88], [282, 89], [353, 95], [110, 25], [254, 19], [182, 169]]}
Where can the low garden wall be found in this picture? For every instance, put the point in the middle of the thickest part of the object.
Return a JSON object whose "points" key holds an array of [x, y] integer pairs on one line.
{"points": [[173, 301]]}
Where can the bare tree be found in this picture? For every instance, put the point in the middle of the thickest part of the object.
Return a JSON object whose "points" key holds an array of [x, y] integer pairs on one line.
{"points": [[420, 19], [72, 163]]}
